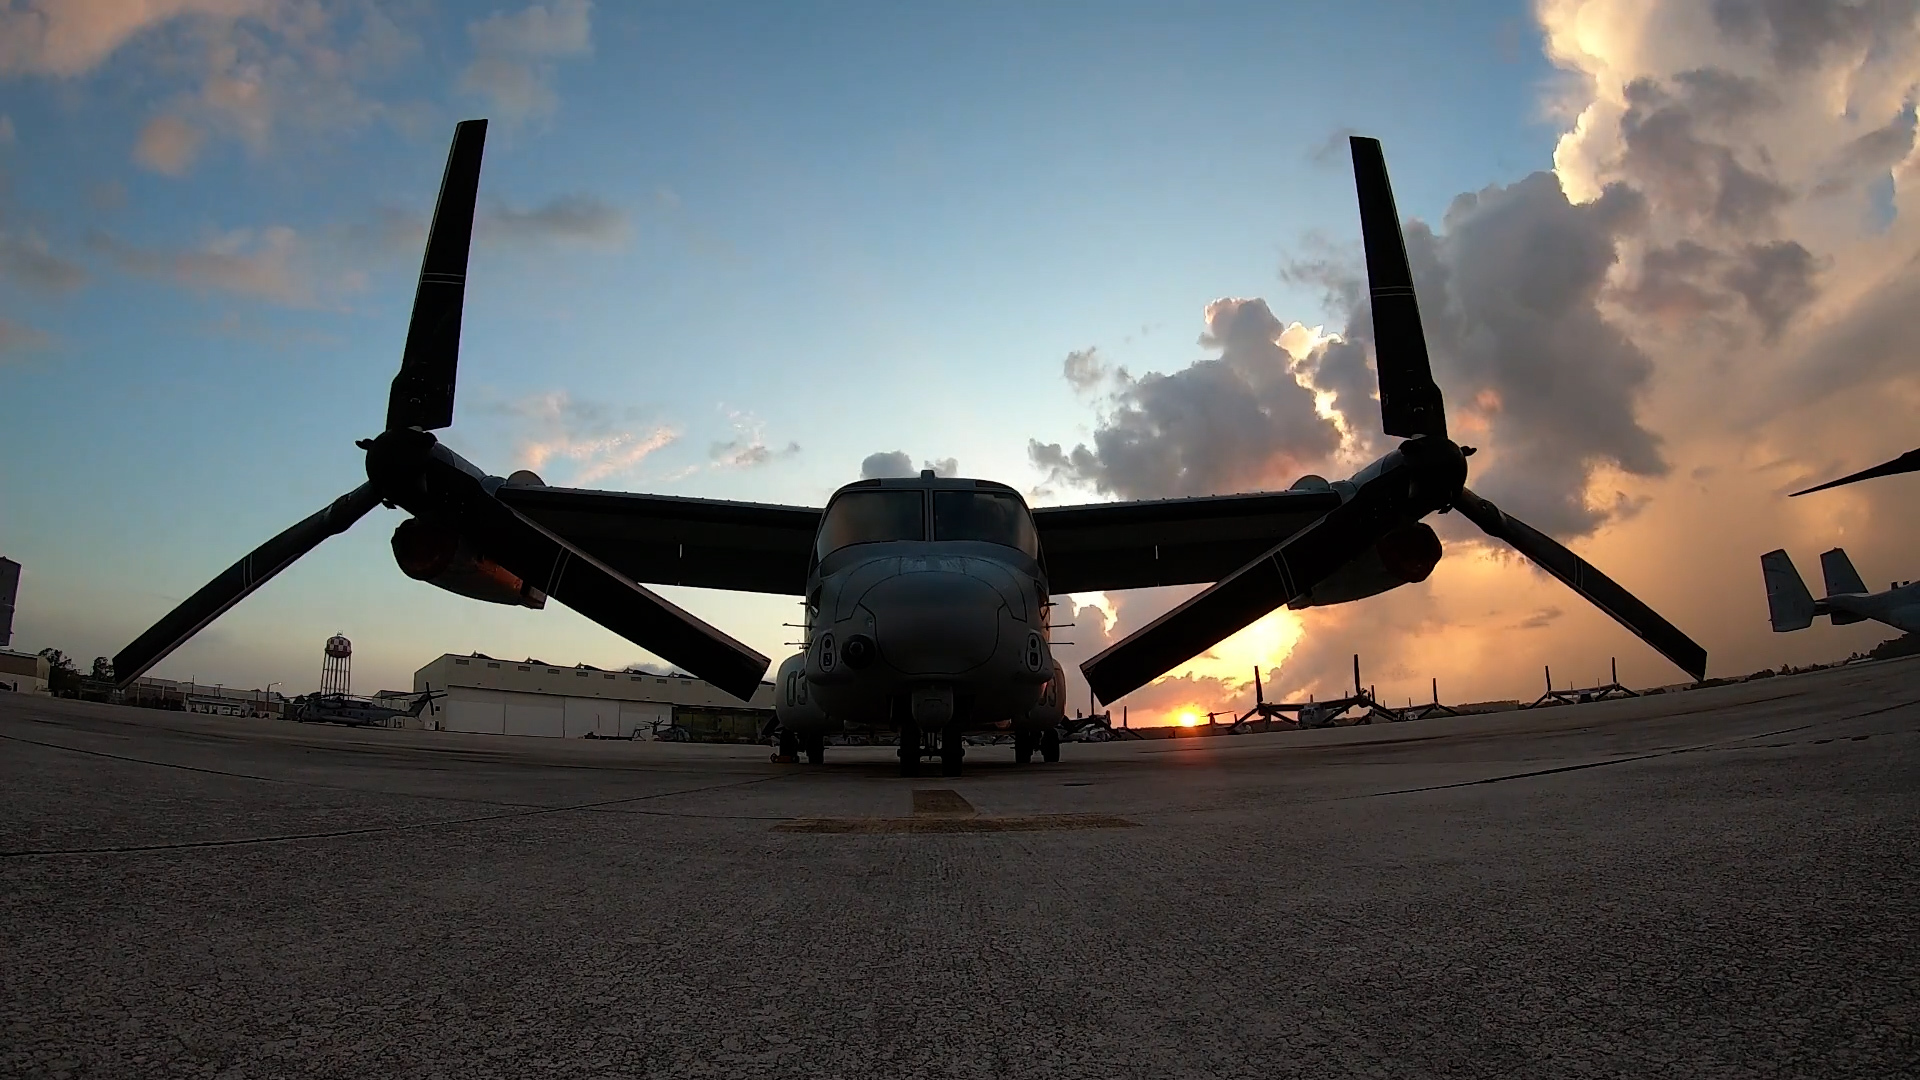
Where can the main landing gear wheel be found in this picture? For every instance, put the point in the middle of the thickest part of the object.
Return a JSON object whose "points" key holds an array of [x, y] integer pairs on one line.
{"points": [[816, 746], [1050, 745], [909, 749], [952, 749], [1023, 744]]}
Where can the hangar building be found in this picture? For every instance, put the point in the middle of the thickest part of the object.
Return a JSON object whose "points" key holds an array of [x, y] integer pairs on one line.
{"points": [[507, 697]]}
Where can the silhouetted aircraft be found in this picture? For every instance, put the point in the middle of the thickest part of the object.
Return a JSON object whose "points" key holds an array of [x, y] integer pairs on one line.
{"points": [[1791, 607], [927, 598]]}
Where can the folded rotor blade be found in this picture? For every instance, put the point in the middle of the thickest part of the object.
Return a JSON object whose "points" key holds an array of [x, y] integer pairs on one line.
{"points": [[1290, 569], [422, 394], [1580, 575], [237, 582], [1410, 402], [549, 563], [1905, 463]]}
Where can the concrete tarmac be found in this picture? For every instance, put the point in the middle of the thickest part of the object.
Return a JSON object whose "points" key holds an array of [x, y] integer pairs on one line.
{"points": [[1717, 883]]}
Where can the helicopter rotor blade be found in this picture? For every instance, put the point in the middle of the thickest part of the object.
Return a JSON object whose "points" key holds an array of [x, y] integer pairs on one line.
{"points": [[422, 393], [1905, 463], [1290, 569], [1582, 577], [1410, 401], [238, 581]]}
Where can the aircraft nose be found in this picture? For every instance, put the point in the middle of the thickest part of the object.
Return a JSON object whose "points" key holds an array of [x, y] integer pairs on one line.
{"points": [[935, 623]]}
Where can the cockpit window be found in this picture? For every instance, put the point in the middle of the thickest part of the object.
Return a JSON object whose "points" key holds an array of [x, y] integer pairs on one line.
{"points": [[868, 517], [997, 517]]}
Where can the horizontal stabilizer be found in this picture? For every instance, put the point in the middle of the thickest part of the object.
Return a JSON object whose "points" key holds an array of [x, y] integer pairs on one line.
{"points": [[1789, 604], [1842, 579]]}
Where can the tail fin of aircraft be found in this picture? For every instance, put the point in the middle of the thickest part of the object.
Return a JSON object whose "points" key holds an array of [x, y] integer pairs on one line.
{"points": [[1841, 578], [1789, 604]]}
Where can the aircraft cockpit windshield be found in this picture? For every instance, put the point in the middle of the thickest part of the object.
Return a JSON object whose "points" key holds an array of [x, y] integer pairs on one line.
{"points": [[870, 517], [997, 517]]}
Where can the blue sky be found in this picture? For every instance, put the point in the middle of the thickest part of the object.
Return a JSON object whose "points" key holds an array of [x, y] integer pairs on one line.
{"points": [[855, 227]]}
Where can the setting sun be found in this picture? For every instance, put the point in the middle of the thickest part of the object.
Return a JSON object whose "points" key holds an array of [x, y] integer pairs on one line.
{"points": [[1189, 718]]}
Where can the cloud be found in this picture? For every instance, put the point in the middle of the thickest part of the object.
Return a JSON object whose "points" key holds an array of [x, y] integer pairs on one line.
{"points": [[1533, 371], [71, 37], [238, 69], [28, 261], [514, 53], [576, 220], [884, 464], [1084, 369], [1708, 299], [1801, 33], [273, 263], [18, 337], [572, 220], [554, 428], [896, 463], [168, 145], [1333, 148], [1237, 422], [748, 448]]}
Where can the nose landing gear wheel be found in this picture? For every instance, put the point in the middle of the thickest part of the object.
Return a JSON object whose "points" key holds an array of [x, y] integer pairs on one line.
{"points": [[789, 751], [816, 747], [909, 750], [1023, 743], [1050, 745], [952, 749]]}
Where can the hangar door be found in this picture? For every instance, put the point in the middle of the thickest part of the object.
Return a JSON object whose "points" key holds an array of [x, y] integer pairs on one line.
{"points": [[638, 717], [599, 716], [536, 714], [479, 711]]}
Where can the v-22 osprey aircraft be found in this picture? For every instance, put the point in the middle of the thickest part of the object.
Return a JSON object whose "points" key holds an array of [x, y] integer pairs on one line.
{"points": [[1791, 607], [926, 598]]}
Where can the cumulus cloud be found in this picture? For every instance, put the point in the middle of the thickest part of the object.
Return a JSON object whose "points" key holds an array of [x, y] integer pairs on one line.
{"points": [[1533, 371], [1708, 299], [882, 464], [1235, 422], [896, 463], [514, 55]]}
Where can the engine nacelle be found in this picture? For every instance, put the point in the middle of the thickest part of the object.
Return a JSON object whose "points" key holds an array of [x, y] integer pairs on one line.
{"points": [[794, 706], [1402, 557], [438, 556]]}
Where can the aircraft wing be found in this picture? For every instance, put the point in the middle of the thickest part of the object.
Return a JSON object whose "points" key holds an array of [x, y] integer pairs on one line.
{"points": [[1132, 545], [670, 540]]}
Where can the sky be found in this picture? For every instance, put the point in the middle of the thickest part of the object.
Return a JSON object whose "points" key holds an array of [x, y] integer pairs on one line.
{"points": [[1664, 251]]}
